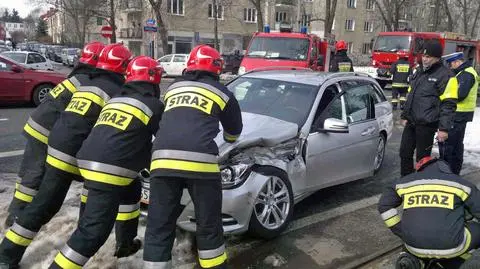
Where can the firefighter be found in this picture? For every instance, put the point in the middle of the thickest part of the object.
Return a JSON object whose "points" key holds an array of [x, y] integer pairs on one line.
{"points": [[434, 222], [430, 107], [400, 71], [185, 155], [341, 62], [109, 160], [64, 141], [452, 149], [39, 125]]}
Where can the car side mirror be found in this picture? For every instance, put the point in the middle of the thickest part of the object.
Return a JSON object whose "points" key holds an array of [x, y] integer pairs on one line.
{"points": [[332, 125], [16, 68]]}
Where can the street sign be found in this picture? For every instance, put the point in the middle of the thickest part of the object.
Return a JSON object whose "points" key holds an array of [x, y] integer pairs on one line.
{"points": [[150, 28], [150, 22], [107, 31]]}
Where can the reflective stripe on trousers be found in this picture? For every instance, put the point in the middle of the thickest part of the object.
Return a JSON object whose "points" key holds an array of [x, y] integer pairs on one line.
{"points": [[128, 212], [157, 265], [184, 160], [19, 235], [37, 131], [68, 258], [62, 161], [213, 257], [106, 173], [84, 195], [24, 193]]}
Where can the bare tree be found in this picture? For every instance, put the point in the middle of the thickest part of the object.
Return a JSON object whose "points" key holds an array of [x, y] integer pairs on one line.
{"points": [[330, 8], [469, 9], [215, 24], [162, 28], [446, 8], [390, 10], [259, 4], [108, 12]]}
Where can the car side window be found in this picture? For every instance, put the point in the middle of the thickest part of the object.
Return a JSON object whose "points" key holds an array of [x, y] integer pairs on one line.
{"points": [[359, 103], [31, 59], [166, 59], [180, 59], [330, 106], [378, 97], [39, 58], [5, 67]]}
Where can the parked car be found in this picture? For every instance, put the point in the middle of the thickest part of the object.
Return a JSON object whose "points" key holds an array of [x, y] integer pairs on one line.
{"points": [[23, 84], [232, 63], [54, 53], [173, 64], [302, 131], [68, 55], [31, 59]]}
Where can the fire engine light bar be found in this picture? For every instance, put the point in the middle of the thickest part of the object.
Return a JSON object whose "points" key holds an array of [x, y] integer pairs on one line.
{"points": [[266, 28], [303, 29]]}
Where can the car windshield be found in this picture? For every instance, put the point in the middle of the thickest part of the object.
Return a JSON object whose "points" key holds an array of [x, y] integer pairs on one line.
{"points": [[392, 43], [72, 52], [283, 100], [279, 48], [17, 57], [58, 50]]}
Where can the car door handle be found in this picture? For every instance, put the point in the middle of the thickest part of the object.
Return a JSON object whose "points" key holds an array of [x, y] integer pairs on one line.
{"points": [[368, 131]]}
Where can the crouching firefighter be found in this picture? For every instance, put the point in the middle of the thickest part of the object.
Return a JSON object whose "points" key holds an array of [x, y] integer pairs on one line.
{"points": [[401, 72], [185, 155], [434, 223], [38, 128], [118, 147], [66, 138]]}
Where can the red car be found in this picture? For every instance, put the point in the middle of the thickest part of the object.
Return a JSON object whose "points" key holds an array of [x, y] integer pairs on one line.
{"points": [[19, 83]]}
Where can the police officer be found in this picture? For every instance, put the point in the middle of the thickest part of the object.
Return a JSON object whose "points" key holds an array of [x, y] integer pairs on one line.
{"points": [[435, 202], [452, 149], [64, 141], [341, 62], [185, 155], [38, 128], [118, 147], [430, 107], [400, 71]]}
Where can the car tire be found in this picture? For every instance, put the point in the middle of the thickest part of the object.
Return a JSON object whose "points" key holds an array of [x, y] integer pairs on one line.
{"points": [[380, 154], [183, 72], [280, 182], [40, 93]]}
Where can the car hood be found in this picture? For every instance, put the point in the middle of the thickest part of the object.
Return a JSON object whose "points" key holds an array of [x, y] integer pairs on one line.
{"points": [[258, 130]]}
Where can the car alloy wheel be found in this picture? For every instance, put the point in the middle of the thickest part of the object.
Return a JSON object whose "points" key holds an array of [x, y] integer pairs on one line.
{"points": [[272, 206], [380, 155], [42, 94]]}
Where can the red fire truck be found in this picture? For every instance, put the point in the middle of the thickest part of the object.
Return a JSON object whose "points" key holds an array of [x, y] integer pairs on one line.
{"points": [[389, 44], [287, 49]]}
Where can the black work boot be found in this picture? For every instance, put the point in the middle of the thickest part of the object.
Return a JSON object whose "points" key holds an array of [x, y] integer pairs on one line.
{"points": [[408, 261], [127, 250]]}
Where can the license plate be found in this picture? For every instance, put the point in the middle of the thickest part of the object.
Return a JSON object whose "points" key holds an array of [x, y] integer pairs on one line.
{"points": [[145, 193]]}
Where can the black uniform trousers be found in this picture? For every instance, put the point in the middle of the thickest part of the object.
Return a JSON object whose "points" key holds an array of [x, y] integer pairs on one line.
{"points": [[399, 95], [419, 137], [452, 149], [31, 174], [163, 211], [98, 219]]}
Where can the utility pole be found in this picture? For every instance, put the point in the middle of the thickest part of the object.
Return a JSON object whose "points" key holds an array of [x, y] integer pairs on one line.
{"points": [[215, 24], [299, 2]]}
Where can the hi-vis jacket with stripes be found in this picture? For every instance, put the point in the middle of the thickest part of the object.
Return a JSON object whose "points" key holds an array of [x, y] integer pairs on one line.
{"points": [[41, 121], [120, 143], [400, 71], [434, 202], [184, 144], [77, 120]]}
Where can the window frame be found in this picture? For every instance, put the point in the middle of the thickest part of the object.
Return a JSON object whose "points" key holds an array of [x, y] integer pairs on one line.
{"points": [[351, 3], [180, 11], [210, 10], [347, 28], [253, 15], [370, 105]]}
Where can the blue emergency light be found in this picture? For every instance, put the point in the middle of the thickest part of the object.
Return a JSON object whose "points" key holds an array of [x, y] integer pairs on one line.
{"points": [[266, 28], [303, 29]]}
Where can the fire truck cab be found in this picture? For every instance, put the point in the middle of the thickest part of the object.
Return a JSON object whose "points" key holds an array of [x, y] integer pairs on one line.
{"points": [[287, 49], [389, 44]]}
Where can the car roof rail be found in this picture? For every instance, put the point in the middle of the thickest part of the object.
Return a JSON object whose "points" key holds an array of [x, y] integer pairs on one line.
{"points": [[346, 74], [272, 68]]}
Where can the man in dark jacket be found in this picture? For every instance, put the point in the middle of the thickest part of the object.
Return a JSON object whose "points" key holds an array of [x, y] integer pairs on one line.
{"points": [[38, 127], [452, 150], [185, 155], [430, 107], [118, 147], [341, 62], [435, 202], [400, 71]]}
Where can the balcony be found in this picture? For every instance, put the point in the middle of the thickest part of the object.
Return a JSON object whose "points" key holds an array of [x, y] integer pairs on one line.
{"points": [[131, 33], [132, 6]]}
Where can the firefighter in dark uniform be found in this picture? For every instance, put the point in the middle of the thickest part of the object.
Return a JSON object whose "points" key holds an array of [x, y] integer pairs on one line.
{"points": [[66, 138], [433, 224], [452, 150], [185, 155], [38, 128], [341, 62], [430, 106], [400, 71], [118, 147]]}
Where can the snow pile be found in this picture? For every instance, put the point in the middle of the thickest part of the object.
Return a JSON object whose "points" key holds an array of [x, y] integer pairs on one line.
{"points": [[472, 134]]}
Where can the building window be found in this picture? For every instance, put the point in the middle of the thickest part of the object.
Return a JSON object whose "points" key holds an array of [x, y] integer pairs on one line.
{"points": [[280, 16], [99, 21], [175, 7], [368, 27], [350, 47], [250, 15], [367, 48], [370, 4], [350, 25], [306, 20], [351, 3], [219, 11]]}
